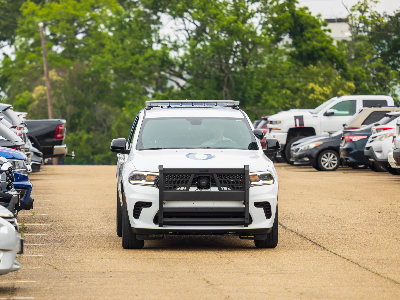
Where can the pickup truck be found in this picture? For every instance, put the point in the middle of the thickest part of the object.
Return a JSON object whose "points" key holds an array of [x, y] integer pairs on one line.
{"points": [[292, 125], [48, 137]]}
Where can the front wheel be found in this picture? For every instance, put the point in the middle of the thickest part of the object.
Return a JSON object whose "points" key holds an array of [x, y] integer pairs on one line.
{"points": [[328, 160], [129, 240], [272, 239]]}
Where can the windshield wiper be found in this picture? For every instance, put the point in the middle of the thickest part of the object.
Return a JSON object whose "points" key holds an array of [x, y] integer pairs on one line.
{"points": [[154, 148]]}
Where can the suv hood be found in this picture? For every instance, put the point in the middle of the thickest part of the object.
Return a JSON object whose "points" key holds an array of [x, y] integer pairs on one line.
{"points": [[149, 160]]}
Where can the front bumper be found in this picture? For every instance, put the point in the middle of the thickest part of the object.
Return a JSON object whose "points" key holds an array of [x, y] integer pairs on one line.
{"points": [[146, 224], [304, 157]]}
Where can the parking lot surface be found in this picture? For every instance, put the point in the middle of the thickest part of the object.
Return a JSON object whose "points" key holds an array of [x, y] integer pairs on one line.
{"points": [[339, 238]]}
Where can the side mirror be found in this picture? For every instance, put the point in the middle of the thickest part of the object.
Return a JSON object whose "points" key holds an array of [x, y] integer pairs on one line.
{"points": [[329, 112], [118, 146], [272, 146], [258, 133]]}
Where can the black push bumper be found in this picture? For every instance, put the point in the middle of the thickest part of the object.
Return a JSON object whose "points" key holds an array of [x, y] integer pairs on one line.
{"points": [[233, 185]]}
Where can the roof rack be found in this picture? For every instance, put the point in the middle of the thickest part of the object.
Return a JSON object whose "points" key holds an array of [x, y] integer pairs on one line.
{"points": [[191, 103]]}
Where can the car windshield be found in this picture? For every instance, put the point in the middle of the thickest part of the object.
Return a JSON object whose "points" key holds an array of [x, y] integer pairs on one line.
{"points": [[322, 106], [388, 118], [263, 124], [187, 133]]}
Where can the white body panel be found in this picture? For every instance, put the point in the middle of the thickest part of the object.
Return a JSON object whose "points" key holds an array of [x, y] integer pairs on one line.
{"points": [[395, 145]]}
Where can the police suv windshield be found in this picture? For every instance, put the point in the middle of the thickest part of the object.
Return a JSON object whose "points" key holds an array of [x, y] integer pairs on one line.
{"points": [[187, 133]]}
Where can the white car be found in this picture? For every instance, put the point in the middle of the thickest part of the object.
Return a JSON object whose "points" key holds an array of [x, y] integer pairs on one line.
{"points": [[394, 151], [377, 149], [11, 243], [195, 167]]}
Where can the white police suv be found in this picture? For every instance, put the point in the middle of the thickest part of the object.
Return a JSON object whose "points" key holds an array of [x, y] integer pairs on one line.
{"points": [[195, 168]]}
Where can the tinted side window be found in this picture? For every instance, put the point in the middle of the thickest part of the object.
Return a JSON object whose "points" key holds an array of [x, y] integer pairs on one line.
{"points": [[345, 108], [370, 103], [374, 117]]}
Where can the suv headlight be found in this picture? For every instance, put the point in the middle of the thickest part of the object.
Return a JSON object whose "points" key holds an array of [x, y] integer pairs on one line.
{"points": [[310, 146], [143, 178], [261, 178], [18, 165], [383, 137]]}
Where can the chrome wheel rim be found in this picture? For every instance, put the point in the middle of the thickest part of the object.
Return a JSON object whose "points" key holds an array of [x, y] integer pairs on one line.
{"points": [[329, 161]]}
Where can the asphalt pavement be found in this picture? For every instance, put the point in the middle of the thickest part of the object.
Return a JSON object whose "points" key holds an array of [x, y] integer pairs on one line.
{"points": [[338, 239]]}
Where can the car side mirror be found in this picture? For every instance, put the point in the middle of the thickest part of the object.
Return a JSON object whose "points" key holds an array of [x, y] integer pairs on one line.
{"points": [[329, 112], [119, 146], [258, 133], [272, 146]]}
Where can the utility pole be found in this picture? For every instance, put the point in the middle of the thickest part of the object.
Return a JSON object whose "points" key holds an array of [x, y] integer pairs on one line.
{"points": [[46, 73]]}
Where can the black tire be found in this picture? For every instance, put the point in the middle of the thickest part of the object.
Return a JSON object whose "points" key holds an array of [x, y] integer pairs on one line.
{"points": [[272, 239], [129, 240], [377, 168], [328, 160], [393, 171], [288, 154], [119, 216]]}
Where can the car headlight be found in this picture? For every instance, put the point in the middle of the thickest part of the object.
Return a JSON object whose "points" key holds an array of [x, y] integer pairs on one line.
{"points": [[261, 178], [310, 146], [143, 178], [18, 164], [383, 137]]}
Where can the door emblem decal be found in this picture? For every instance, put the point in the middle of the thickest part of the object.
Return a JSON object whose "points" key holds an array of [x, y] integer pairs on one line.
{"points": [[196, 156]]}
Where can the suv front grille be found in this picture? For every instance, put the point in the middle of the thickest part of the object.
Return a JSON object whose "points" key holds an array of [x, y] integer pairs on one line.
{"points": [[182, 182]]}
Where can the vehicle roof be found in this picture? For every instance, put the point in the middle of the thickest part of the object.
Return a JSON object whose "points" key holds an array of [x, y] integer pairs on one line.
{"points": [[358, 119], [366, 97], [190, 112]]}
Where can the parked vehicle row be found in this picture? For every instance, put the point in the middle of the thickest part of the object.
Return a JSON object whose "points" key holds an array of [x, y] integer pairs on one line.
{"points": [[366, 140], [23, 147]]}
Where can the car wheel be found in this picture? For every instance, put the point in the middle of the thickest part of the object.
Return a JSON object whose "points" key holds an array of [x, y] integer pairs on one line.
{"points": [[272, 239], [288, 154], [119, 216], [328, 160], [394, 171], [377, 168], [129, 240]]}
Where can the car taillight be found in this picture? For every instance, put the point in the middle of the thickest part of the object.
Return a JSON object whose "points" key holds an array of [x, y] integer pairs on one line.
{"points": [[382, 129], [60, 132], [354, 138], [16, 148]]}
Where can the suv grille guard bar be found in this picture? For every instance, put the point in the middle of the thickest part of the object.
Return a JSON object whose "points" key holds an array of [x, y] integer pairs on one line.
{"points": [[204, 215]]}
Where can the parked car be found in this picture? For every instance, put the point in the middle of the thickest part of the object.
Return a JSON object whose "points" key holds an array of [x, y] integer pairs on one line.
{"points": [[321, 152], [47, 136], [377, 150], [394, 151], [21, 180], [186, 171], [329, 117], [11, 243], [354, 141], [9, 197]]}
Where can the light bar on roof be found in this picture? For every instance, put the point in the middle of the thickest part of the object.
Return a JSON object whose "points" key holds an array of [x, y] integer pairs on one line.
{"points": [[191, 103]]}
